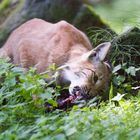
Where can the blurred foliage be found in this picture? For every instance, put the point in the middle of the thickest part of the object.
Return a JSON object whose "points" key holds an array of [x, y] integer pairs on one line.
{"points": [[6, 6], [120, 14]]}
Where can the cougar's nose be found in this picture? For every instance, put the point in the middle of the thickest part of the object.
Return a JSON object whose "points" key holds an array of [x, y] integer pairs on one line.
{"points": [[75, 89]]}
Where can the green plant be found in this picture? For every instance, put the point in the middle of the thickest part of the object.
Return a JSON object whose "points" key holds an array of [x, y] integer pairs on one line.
{"points": [[22, 115]]}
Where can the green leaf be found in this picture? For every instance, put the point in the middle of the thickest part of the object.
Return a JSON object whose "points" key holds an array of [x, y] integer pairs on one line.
{"points": [[52, 102], [60, 137], [84, 136], [131, 70], [111, 92], [118, 80], [117, 68], [118, 97], [18, 69], [47, 96], [71, 131]]}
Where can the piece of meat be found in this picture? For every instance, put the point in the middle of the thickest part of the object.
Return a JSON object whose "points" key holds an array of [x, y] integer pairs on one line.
{"points": [[64, 103]]}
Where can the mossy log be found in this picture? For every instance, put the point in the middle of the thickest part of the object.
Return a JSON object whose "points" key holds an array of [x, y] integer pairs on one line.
{"points": [[73, 11]]}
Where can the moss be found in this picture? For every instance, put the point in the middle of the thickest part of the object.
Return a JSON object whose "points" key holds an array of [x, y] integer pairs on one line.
{"points": [[7, 23], [4, 5], [7, 8]]}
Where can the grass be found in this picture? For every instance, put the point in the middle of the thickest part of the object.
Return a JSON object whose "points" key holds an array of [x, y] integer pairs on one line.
{"points": [[107, 122], [23, 118]]}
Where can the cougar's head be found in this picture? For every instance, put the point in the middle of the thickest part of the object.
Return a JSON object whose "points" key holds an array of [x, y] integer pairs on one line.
{"points": [[89, 74]]}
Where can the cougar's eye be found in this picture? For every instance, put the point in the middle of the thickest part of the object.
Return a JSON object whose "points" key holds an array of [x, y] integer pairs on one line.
{"points": [[77, 74]]}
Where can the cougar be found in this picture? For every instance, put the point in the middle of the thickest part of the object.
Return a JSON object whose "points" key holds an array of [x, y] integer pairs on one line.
{"points": [[39, 44]]}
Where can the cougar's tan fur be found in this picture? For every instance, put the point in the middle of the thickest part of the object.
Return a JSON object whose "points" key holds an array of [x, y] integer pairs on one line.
{"points": [[39, 44]]}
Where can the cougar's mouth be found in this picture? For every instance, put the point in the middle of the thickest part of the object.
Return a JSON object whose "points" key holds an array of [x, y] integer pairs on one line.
{"points": [[81, 92], [78, 93]]}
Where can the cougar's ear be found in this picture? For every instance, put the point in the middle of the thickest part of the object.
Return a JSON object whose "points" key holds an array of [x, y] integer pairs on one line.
{"points": [[99, 53]]}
